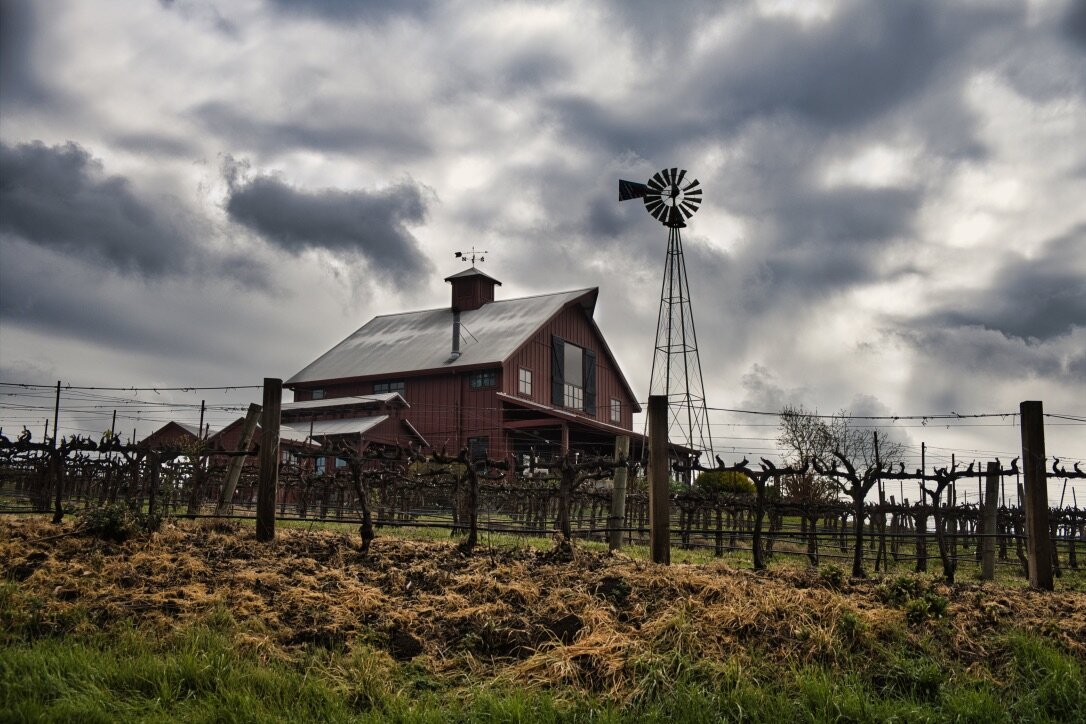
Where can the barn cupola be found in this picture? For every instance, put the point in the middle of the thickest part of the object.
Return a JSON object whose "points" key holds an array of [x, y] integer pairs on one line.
{"points": [[471, 289]]}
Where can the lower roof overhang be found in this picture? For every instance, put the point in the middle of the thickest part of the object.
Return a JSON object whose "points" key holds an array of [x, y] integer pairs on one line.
{"points": [[559, 415]]}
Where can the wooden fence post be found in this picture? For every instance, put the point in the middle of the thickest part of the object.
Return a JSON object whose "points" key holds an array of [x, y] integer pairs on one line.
{"points": [[659, 488], [1036, 490], [989, 528], [154, 472], [618, 495], [233, 474], [269, 460]]}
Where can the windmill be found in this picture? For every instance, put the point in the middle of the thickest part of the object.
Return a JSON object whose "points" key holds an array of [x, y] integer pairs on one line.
{"points": [[676, 368]]}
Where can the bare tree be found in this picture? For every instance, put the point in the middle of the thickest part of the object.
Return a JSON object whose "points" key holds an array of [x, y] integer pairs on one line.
{"points": [[818, 438], [824, 441]]}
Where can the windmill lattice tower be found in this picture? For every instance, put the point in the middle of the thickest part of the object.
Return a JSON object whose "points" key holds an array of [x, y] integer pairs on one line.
{"points": [[676, 366]]}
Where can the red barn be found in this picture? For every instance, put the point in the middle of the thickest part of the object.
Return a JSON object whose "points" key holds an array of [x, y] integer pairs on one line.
{"points": [[501, 376], [172, 435]]}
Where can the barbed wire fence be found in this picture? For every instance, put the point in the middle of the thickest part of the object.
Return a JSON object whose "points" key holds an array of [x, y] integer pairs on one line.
{"points": [[567, 495]]}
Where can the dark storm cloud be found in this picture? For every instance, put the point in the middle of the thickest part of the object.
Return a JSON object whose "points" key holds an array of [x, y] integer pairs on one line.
{"points": [[84, 306], [59, 197], [339, 11], [19, 79], [1039, 298], [865, 62], [370, 224], [177, 318], [830, 240], [1074, 22], [381, 133], [971, 350], [868, 59]]}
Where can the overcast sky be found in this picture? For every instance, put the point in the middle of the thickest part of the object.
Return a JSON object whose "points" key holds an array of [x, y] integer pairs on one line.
{"points": [[202, 193]]}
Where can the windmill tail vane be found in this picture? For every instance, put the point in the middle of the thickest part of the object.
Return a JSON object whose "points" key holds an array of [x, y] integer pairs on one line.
{"points": [[665, 196]]}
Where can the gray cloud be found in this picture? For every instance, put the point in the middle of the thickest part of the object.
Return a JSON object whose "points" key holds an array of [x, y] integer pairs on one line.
{"points": [[338, 11], [975, 350], [381, 133], [204, 12], [369, 224], [864, 63], [20, 81], [1074, 22], [866, 60], [1029, 298], [177, 318], [60, 198]]}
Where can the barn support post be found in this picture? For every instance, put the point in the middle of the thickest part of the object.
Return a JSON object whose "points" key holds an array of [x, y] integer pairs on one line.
{"points": [[269, 460], [989, 529], [233, 474], [1036, 495], [618, 494], [659, 504]]}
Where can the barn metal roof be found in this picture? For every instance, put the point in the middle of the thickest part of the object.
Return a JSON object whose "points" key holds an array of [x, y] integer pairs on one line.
{"points": [[418, 341], [292, 434], [393, 398], [350, 426]]}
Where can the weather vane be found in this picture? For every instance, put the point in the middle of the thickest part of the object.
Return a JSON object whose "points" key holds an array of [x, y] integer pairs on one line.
{"points": [[472, 255]]}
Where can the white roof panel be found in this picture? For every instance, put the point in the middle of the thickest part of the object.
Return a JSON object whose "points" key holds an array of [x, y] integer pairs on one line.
{"points": [[416, 341], [350, 426], [387, 397], [292, 433]]}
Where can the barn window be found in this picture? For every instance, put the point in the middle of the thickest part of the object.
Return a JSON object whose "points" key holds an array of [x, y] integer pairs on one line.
{"points": [[573, 376], [525, 387], [341, 462], [616, 410], [380, 388], [319, 466], [573, 397], [484, 379], [317, 394]]}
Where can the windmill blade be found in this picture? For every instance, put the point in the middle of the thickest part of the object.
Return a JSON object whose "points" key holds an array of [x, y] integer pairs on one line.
{"points": [[631, 190], [660, 181], [673, 175], [692, 185], [682, 175], [654, 207]]}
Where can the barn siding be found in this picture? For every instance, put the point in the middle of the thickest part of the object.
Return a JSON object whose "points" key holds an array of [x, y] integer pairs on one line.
{"points": [[572, 325]]}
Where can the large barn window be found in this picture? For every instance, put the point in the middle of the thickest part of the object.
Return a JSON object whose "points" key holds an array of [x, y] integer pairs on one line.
{"points": [[380, 388], [317, 394], [573, 376]]}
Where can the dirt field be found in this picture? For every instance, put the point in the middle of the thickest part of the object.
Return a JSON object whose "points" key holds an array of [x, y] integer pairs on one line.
{"points": [[513, 615]]}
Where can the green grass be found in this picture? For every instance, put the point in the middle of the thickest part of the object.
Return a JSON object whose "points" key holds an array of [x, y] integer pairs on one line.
{"points": [[202, 673]]}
